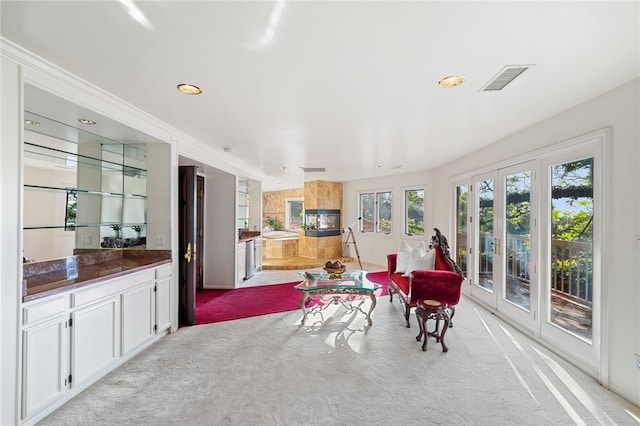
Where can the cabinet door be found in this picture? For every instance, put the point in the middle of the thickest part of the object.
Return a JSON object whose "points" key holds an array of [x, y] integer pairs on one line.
{"points": [[95, 339], [241, 259], [163, 304], [138, 317], [46, 364]]}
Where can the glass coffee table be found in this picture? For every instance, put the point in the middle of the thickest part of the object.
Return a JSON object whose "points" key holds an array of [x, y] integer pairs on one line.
{"points": [[331, 288]]}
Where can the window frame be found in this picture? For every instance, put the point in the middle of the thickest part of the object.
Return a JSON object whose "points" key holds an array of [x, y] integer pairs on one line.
{"points": [[376, 212]]}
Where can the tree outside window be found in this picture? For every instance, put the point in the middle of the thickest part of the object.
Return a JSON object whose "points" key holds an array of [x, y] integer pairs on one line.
{"points": [[367, 212], [375, 211], [414, 212]]}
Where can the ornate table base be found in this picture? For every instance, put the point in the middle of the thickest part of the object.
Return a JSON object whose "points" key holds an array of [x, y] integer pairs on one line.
{"points": [[432, 309], [335, 298]]}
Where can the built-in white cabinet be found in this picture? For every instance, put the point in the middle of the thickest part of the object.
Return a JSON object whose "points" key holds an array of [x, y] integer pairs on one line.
{"points": [[138, 316], [163, 298], [45, 340], [72, 339], [241, 261], [94, 339]]}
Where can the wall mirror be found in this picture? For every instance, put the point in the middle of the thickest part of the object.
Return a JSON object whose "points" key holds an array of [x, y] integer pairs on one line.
{"points": [[85, 184]]}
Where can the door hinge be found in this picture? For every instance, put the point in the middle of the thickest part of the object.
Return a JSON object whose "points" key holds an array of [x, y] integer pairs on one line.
{"points": [[70, 322], [155, 288], [70, 378], [155, 327]]}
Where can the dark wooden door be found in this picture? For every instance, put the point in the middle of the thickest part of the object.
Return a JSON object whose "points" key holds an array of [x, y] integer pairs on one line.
{"points": [[188, 244], [200, 240]]}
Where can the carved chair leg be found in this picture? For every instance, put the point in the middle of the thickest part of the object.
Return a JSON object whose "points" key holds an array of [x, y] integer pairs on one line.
{"points": [[436, 332], [407, 314], [453, 312], [422, 316], [444, 330]]}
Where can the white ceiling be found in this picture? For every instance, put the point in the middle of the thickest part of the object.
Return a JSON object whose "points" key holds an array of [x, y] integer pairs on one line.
{"points": [[349, 86]]}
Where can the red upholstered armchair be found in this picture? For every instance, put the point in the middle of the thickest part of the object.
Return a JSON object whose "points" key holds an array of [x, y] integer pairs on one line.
{"points": [[442, 284]]}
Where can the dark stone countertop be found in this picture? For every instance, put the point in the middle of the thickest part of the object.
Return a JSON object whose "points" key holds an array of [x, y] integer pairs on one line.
{"points": [[248, 235], [44, 279]]}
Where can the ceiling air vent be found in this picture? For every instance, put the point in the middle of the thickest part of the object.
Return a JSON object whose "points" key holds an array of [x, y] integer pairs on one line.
{"points": [[314, 169], [504, 77]]}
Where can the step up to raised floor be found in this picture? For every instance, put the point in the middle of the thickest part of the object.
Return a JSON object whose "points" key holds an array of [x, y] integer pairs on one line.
{"points": [[298, 263]]}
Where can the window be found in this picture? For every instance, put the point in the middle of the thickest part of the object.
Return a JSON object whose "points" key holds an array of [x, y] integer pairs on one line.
{"points": [[375, 211], [414, 212], [294, 212]]}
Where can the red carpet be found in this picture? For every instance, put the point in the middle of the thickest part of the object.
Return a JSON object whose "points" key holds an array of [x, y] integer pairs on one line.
{"points": [[379, 278], [218, 305]]}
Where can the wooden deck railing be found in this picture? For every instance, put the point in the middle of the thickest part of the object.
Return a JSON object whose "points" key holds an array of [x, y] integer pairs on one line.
{"points": [[571, 264]]}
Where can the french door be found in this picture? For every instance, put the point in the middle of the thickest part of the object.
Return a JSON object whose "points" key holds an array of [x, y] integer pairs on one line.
{"points": [[532, 242], [482, 223], [571, 218], [503, 244]]}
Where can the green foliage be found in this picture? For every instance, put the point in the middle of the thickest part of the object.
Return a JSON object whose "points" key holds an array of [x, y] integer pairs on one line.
{"points": [[415, 212], [273, 223]]}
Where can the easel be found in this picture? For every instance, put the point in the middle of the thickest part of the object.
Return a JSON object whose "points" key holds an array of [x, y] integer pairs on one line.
{"points": [[351, 237]]}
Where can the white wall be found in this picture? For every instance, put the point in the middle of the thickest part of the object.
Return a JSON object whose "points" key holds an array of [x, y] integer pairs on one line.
{"points": [[374, 247], [10, 239], [619, 110], [160, 187], [221, 234]]}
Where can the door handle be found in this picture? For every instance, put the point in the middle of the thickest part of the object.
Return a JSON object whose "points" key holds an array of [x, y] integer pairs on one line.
{"points": [[187, 255]]}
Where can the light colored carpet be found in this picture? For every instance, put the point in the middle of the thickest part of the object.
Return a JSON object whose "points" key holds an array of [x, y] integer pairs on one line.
{"points": [[270, 370]]}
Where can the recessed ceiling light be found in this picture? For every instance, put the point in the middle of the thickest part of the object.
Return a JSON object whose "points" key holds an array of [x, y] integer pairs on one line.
{"points": [[86, 121], [396, 166], [378, 166], [189, 89], [31, 122], [451, 81], [283, 168], [227, 149]]}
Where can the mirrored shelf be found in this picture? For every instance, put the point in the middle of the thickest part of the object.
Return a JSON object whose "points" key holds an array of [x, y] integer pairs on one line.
{"points": [[80, 188]]}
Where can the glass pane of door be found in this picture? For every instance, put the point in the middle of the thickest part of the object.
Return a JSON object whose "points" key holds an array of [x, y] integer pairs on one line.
{"points": [[462, 213], [571, 263], [485, 218], [517, 219]]}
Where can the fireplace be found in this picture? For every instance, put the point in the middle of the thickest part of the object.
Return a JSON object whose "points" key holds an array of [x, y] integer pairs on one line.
{"points": [[322, 222]]}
